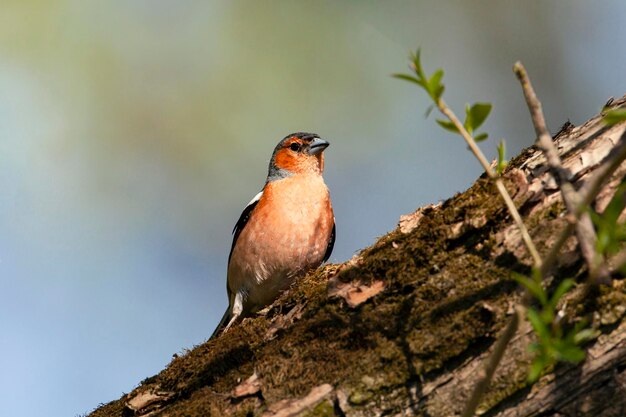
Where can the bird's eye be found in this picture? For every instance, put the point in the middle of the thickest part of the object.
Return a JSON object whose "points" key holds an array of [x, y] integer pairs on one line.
{"points": [[294, 147]]}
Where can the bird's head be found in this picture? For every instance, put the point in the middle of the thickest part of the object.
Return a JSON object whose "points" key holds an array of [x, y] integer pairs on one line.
{"points": [[298, 153]]}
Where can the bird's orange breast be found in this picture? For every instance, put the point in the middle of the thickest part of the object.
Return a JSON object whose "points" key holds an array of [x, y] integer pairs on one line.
{"points": [[288, 234]]}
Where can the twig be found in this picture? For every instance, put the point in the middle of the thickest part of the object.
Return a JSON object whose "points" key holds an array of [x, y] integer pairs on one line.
{"points": [[617, 261], [493, 361], [552, 256], [584, 227], [588, 193], [442, 106], [590, 190]]}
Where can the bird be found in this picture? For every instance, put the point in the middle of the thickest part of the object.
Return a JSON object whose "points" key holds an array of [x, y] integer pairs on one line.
{"points": [[285, 231]]}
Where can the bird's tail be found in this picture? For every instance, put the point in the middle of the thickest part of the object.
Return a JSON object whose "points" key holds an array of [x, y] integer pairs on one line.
{"points": [[223, 322]]}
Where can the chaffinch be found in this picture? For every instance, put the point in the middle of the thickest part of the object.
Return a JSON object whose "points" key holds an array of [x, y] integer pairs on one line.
{"points": [[287, 229]]}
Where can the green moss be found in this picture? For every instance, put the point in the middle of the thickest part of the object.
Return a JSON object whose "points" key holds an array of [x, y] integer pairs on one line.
{"points": [[611, 304], [360, 396], [323, 409]]}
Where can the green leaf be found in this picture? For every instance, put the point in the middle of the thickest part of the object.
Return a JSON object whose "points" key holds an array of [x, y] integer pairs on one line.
{"points": [[468, 123], [539, 326], [536, 274], [615, 116], [448, 125], [533, 286], [501, 151], [439, 91], [417, 64], [502, 162], [535, 348], [409, 78], [435, 88], [481, 137], [570, 353], [429, 110], [536, 369], [611, 233], [560, 291], [584, 336], [432, 85], [476, 115]]}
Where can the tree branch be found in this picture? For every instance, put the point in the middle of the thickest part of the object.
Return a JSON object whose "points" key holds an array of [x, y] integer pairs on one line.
{"points": [[588, 192], [584, 227]]}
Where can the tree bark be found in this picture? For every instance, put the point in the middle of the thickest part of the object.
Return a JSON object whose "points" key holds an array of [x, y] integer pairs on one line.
{"points": [[404, 327]]}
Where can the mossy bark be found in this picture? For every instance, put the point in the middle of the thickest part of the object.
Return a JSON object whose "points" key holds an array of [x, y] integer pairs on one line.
{"points": [[404, 327]]}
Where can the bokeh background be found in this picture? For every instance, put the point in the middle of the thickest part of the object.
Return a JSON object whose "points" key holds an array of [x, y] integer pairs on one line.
{"points": [[132, 133]]}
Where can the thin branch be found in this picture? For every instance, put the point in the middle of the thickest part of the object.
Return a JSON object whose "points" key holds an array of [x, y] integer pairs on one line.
{"points": [[442, 106], [617, 261], [544, 139], [588, 193], [552, 256], [584, 227], [493, 361], [592, 188]]}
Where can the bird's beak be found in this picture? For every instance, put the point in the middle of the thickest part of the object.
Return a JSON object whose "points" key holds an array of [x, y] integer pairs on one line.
{"points": [[317, 146]]}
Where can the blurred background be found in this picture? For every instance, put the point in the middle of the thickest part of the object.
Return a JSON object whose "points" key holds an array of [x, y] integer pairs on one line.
{"points": [[133, 133]]}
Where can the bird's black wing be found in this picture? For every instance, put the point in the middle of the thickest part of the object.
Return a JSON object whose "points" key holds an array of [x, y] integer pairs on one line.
{"points": [[243, 220], [331, 243]]}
